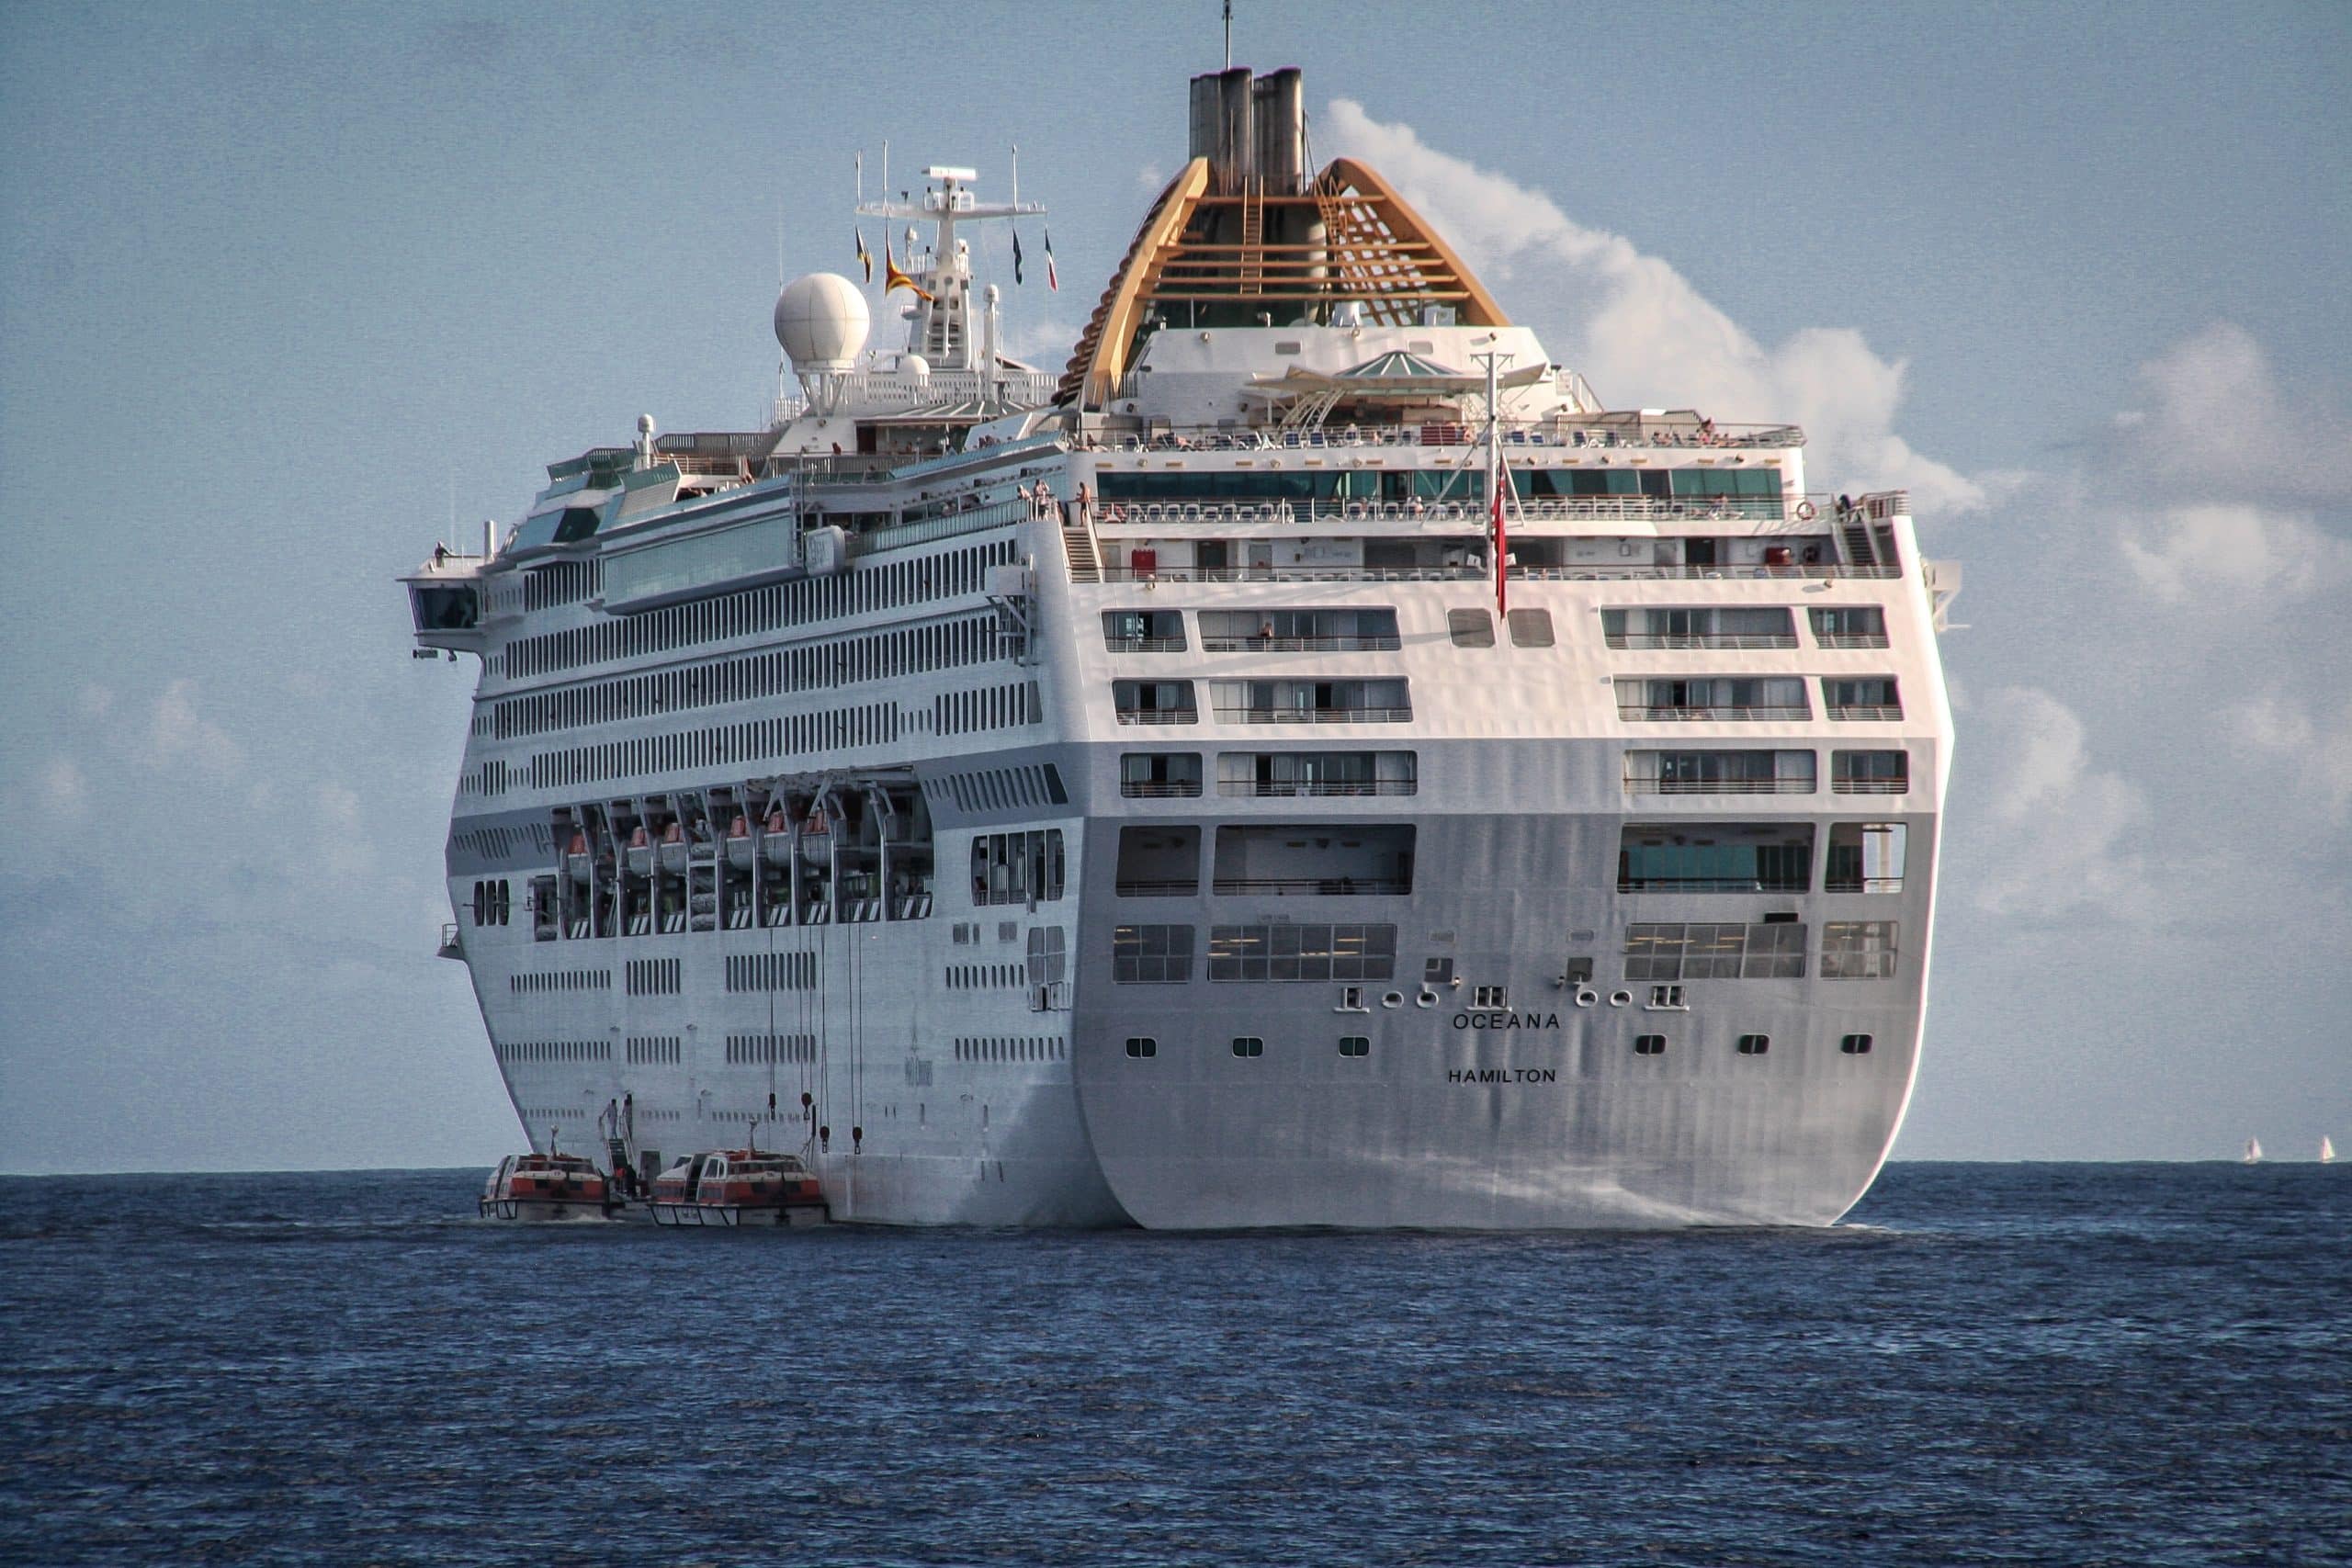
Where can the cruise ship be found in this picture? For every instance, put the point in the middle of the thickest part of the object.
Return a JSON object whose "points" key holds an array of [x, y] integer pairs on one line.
{"points": [[1307, 761]]}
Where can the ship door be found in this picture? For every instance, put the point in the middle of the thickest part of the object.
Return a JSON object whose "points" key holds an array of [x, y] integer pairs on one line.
{"points": [[1261, 557]]}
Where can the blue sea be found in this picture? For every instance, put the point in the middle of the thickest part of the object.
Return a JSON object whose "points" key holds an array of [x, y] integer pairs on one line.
{"points": [[2064, 1364]]}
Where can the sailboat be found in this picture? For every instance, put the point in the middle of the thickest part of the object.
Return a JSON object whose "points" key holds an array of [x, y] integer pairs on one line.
{"points": [[2326, 1150], [2254, 1151]]}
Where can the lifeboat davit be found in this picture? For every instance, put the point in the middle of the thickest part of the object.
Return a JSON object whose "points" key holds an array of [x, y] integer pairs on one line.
{"points": [[545, 1187], [640, 853], [732, 1188]]}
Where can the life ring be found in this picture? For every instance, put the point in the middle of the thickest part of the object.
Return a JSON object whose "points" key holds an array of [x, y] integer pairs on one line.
{"points": [[1808, 512]]}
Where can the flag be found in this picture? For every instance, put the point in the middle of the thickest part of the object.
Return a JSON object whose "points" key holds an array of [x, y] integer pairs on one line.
{"points": [[864, 256], [1501, 486], [1053, 274], [1016, 255], [893, 278]]}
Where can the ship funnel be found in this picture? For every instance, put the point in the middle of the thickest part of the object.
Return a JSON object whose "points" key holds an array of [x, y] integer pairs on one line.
{"points": [[1252, 129]]}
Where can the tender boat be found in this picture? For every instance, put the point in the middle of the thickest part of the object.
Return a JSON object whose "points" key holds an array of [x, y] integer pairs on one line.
{"points": [[545, 1187], [738, 1187]]}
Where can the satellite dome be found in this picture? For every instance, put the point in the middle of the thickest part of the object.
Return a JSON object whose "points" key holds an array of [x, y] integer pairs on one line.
{"points": [[822, 321], [915, 366]]}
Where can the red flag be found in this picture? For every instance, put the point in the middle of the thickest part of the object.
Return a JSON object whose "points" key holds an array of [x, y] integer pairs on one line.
{"points": [[1502, 601]]}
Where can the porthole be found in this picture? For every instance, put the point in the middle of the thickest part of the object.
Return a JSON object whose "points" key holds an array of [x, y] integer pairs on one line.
{"points": [[1248, 1045], [1142, 1045], [1854, 1044], [1754, 1044], [1649, 1044], [1355, 1045]]}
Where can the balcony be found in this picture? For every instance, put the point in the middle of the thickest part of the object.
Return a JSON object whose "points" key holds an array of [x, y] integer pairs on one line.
{"points": [[1145, 644], [1703, 639], [1263, 789], [1639, 714], [1157, 889], [1388, 644], [1873, 711], [1314, 715], [1870, 786], [1160, 789], [1159, 715], [1719, 786], [1314, 886], [1863, 639]]}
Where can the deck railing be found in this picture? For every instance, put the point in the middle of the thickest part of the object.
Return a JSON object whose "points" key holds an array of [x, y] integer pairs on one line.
{"points": [[1314, 715], [1640, 713]]}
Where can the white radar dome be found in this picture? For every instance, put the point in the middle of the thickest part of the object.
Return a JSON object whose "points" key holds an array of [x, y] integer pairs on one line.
{"points": [[822, 321], [915, 366]]}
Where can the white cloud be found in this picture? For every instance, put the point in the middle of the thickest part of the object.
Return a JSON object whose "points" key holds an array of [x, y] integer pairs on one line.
{"points": [[2316, 754], [2061, 834], [179, 734], [1152, 178], [1642, 335], [2193, 553], [62, 789], [2219, 421]]}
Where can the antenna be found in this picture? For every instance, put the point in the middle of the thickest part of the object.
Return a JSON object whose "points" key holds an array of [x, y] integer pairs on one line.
{"points": [[1016, 173], [1229, 34]]}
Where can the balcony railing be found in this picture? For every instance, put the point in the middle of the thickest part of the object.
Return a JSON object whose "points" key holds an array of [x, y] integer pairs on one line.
{"points": [[1162, 888], [1710, 885], [1863, 710], [1718, 786], [1278, 790], [1582, 572], [1315, 886], [1703, 639], [1859, 640], [1315, 715], [1382, 644], [1159, 789], [1144, 644], [1870, 786], [1451, 433], [1707, 714], [1549, 509], [1159, 715]]}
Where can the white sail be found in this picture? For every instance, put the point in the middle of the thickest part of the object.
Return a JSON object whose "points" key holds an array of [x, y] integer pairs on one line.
{"points": [[2254, 1151], [2326, 1150]]}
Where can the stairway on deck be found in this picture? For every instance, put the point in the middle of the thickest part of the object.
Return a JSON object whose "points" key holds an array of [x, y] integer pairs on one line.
{"points": [[1083, 565]]}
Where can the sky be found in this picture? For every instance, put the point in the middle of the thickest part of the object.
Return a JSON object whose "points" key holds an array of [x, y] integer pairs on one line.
{"points": [[287, 293]]}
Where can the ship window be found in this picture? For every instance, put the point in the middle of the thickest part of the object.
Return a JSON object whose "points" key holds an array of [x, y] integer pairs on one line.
{"points": [[1490, 996], [1716, 857], [1667, 996], [1769, 950], [1355, 1045], [1649, 1045], [1870, 773], [1248, 1045], [1151, 955], [1470, 628], [1531, 628], [1148, 775], [1865, 857], [1854, 1044], [1142, 1045], [1858, 950], [1754, 1044]]}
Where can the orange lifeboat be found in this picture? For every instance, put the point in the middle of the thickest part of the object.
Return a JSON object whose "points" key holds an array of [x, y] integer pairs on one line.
{"points": [[640, 852], [729, 1189], [674, 849], [739, 843], [577, 862], [545, 1187], [776, 844]]}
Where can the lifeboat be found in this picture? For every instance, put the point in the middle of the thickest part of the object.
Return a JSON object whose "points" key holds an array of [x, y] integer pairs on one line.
{"points": [[578, 863], [739, 844], [730, 1189], [674, 849], [641, 852], [777, 844], [545, 1187]]}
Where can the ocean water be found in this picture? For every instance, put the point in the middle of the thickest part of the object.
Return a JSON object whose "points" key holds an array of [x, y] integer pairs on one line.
{"points": [[1988, 1364]]}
